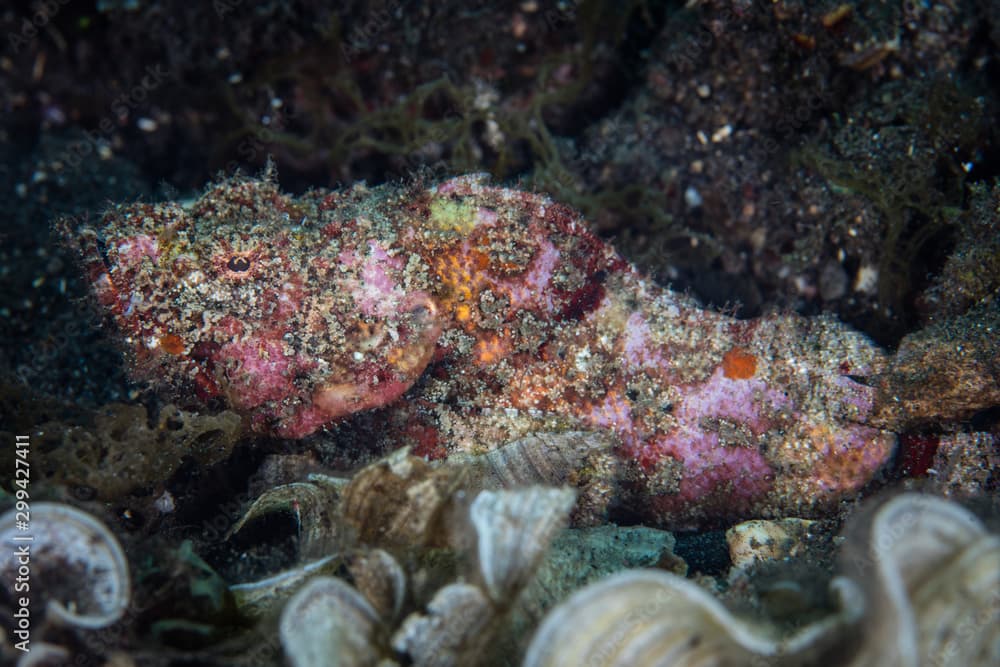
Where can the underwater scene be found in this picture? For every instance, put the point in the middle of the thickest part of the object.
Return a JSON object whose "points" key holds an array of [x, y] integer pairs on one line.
{"points": [[531, 333]]}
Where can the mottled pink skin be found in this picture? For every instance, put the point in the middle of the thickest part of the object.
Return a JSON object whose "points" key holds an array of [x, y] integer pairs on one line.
{"points": [[472, 315], [256, 372], [376, 291], [133, 251], [735, 400]]}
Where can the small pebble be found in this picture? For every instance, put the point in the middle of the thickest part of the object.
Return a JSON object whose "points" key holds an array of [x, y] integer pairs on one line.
{"points": [[692, 197]]}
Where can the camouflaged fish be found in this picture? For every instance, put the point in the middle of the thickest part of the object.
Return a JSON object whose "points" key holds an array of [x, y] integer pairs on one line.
{"points": [[470, 316]]}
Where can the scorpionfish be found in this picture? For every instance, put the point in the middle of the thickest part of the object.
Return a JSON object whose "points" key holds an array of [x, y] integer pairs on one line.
{"points": [[465, 316]]}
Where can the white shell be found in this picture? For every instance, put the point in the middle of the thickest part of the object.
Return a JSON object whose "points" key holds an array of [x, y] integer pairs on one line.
{"points": [[513, 532], [327, 623], [958, 616], [74, 559], [932, 576], [452, 631], [760, 540], [380, 578], [924, 590], [256, 599], [649, 617]]}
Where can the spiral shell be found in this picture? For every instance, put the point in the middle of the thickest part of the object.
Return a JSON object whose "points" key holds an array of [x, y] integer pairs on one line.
{"points": [[581, 459], [313, 502], [538, 458]]}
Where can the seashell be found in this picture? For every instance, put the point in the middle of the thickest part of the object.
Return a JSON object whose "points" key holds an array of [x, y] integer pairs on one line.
{"points": [[958, 617], [513, 532], [650, 617], [77, 564], [923, 588], [552, 459], [453, 632], [381, 580], [400, 500], [257, 599], [327, 623], [580, 556], [932, 576], [761, 540], [547, 459], [314, 503]]}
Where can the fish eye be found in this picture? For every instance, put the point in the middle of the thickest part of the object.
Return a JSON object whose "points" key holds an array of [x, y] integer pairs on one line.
{"points": [[238, 264]]}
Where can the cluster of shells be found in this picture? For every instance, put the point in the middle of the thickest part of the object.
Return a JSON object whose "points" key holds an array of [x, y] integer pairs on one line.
{"points": [[416, 564], [434, 568], [920, 584]]}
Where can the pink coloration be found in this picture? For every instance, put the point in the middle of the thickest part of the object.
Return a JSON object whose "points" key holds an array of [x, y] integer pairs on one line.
{"points": [[713, 469], [638, 351], [614, 413], [486, 216], [134, 250], [855, 395], [746, 402], [348, 258], [530, 289], [467, 329], [377, 292], [256, 371]]}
